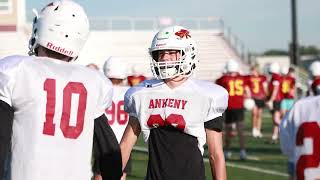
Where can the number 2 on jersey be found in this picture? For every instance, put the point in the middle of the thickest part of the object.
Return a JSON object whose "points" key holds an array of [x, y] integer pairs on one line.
{"points": [[71, 132], [308, 130]]}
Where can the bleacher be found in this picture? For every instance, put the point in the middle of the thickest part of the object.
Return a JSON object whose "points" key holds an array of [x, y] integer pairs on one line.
{"points": [[13, 43], [131, 44]]}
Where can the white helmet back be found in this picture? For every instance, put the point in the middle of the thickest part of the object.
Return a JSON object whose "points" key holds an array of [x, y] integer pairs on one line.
{"points": [[62, 26], [315, 68], [232, 66], [115, 67], [173, 38], [274, 68]]}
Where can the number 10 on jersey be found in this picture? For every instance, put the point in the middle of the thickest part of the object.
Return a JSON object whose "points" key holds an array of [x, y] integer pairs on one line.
{"points": [[71, 132]]}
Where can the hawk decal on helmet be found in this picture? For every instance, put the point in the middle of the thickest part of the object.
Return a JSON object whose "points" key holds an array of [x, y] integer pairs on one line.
{"points": [[183, 33]]}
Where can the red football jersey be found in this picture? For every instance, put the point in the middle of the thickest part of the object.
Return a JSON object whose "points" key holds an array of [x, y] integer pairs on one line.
{"points": [[135, 80], [235, 85], [287, 85], [275, 80], [255, 83]]}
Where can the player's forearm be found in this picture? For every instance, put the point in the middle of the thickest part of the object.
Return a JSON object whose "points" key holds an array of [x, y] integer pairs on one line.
{"points": [[129, 139], [247, 92], [218, 167], [125, 153], [216, 157], [274, 93]]}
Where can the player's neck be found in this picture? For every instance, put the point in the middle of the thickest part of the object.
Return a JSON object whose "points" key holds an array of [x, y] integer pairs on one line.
{"points": [[176, 81], [43, 52]]}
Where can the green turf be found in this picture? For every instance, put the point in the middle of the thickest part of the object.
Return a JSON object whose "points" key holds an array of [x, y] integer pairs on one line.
{"points": [[262, 154]]}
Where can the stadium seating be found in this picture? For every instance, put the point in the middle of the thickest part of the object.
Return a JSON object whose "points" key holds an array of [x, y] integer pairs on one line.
{"points": [[13, 43], [213, 49]]}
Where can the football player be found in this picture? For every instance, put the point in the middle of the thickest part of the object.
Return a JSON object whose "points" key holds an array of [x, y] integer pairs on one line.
{"points": [[315, 82], [274, 99], [55, 109], [115, 69], [288, 87], [257, 84], [93, 66], [176, 114], [299, 137], [136, 77], [237, 87]]}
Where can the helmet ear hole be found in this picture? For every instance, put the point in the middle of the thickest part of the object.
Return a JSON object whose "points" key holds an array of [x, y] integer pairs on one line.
{"points": [[33, 40], [155, 55]]}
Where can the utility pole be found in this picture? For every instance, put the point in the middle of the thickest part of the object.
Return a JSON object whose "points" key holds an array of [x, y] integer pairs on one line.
{"points": [[294, 45]]}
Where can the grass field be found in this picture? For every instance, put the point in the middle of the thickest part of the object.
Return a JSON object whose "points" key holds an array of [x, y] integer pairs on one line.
{"points": [[265, 161]]}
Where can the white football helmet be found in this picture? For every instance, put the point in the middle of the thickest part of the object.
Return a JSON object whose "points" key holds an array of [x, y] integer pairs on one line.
{"points": [[249, 104], [284, 70], [173, 38], [232, 66], [115, 67], [62, 26], [274, 68], [315, 68]]}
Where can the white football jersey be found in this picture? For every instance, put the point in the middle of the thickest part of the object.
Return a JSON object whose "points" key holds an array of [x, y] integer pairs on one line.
{"points": [[186, 107], [300, 137], [117, 117], [55, 104]]}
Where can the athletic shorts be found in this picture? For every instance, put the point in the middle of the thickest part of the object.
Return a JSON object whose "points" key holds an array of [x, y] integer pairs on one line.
{"points": [[7, 167], [234, 115], [128, 167], [276, 106], [260, 103], [286, 104]]}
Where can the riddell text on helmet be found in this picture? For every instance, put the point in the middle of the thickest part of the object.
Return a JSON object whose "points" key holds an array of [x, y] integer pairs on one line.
{"points": [[59, 49]]}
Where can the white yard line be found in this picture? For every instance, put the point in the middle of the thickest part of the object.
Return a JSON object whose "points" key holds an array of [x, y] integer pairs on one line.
{"points": [[145, 150]]}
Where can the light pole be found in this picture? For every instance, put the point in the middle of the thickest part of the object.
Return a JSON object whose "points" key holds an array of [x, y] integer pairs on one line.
{"points": [[294, 46]]}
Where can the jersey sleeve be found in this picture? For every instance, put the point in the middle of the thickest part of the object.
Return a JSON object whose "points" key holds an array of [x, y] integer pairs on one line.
{"points": [[275, 82], [105, 99], [287, 141], [218, 102], [9, 67], [129, 103]]}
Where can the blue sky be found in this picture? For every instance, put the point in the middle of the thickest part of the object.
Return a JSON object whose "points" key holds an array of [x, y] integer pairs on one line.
{"points": [[260, 24]]}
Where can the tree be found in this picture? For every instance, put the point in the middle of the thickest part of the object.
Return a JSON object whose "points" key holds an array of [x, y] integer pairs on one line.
{"points": [[309, 50], [275, 52]]}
